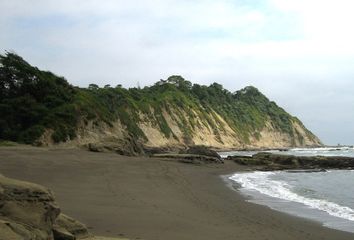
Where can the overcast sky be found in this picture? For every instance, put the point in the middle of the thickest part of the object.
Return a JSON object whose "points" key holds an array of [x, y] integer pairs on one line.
{"points": [[300, 53]]}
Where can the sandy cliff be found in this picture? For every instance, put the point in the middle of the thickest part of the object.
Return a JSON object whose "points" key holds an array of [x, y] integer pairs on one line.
{"points": [[117, 138]]}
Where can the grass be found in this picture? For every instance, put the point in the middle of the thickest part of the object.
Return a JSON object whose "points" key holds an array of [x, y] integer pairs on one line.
{"points": [[4, 143]]}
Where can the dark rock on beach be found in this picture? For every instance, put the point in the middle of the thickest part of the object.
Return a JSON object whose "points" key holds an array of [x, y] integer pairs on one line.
{"points": [[194, 154], [127, 147], [270, 161], [190, 158], [202, 150]]}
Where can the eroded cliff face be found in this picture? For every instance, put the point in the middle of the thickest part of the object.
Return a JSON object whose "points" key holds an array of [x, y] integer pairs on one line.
{"points": [[214, 132]]}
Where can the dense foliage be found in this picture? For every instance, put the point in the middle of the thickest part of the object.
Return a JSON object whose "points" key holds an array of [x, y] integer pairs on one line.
{"points": [[33, 101]]}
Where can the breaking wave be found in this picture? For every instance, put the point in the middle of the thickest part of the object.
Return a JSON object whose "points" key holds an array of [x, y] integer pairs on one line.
{"points": [[262, 183]]}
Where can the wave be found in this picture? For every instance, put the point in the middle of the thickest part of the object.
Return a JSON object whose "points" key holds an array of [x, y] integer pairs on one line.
{"points": [[262, 183], [321, 149]]}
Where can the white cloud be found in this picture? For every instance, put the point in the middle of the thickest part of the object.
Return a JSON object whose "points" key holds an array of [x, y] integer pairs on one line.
{"points": [[329, 20]]}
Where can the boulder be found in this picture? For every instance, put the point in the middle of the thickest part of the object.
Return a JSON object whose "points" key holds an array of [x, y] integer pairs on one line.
{"points": [[27, 209], [202, 150], [128, 146], [29, 212], [62, 234], [65, 225]]}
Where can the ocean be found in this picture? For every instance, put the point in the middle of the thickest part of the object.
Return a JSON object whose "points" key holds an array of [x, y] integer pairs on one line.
{"points": [[326, 197]]}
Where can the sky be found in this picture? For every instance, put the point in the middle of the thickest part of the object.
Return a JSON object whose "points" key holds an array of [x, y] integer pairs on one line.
{"points": [[299, 53]]}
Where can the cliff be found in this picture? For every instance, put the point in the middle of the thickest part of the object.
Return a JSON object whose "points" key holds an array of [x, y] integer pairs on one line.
{"points": [[41, 108]]}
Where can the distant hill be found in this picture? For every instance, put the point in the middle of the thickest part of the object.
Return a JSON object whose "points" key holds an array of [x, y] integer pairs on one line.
{"points": [[38, 107]]}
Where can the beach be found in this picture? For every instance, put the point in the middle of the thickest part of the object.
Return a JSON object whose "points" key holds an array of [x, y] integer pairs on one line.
{"points": [[147, 198]]}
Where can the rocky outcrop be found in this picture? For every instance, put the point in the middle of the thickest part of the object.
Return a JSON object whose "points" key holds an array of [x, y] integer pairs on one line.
{"points": [[127, 147], [269, 161], [197, 154], [202, 150], [190, 158], [67, 228], [29, 211]]}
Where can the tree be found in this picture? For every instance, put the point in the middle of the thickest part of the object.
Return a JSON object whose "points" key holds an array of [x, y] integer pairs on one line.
{"points": [[93, 86], [28, 97], [180, 82]]}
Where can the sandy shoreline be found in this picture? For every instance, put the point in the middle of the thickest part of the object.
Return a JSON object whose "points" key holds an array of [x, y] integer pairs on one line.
{"points": [[144, 198]]}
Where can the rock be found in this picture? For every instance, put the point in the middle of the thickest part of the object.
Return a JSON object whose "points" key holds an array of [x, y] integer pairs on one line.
{"points": [[65, 224], [270, 161], [29, 212], [8, 231], [127, 147], [28, 209], [94, 147], [150, 151], [190, 158], [62, 234], [202, 150]]}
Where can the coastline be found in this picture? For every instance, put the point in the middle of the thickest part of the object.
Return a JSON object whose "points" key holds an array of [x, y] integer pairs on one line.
{"points": [[138, 197], [282, 199]]}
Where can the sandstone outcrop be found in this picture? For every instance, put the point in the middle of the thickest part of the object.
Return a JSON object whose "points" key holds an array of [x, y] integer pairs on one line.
{"points": [[29, 211]]}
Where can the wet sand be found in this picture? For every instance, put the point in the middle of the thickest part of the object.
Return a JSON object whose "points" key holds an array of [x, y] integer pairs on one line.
{"points": [[153, 199]]}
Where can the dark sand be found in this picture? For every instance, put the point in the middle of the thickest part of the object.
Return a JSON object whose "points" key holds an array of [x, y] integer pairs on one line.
{"points": [[153, 199]]}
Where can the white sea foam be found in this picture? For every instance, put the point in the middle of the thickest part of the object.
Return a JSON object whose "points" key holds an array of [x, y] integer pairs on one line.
{"points": [[322, 149], [262, 183]]}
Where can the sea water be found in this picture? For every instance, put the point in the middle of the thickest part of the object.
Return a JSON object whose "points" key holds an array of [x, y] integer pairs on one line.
{"points": [[326, 197], [324, 151]]}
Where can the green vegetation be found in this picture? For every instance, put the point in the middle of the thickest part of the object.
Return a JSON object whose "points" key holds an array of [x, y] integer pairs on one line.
{"points": [[33, 101], [7, 144]]}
